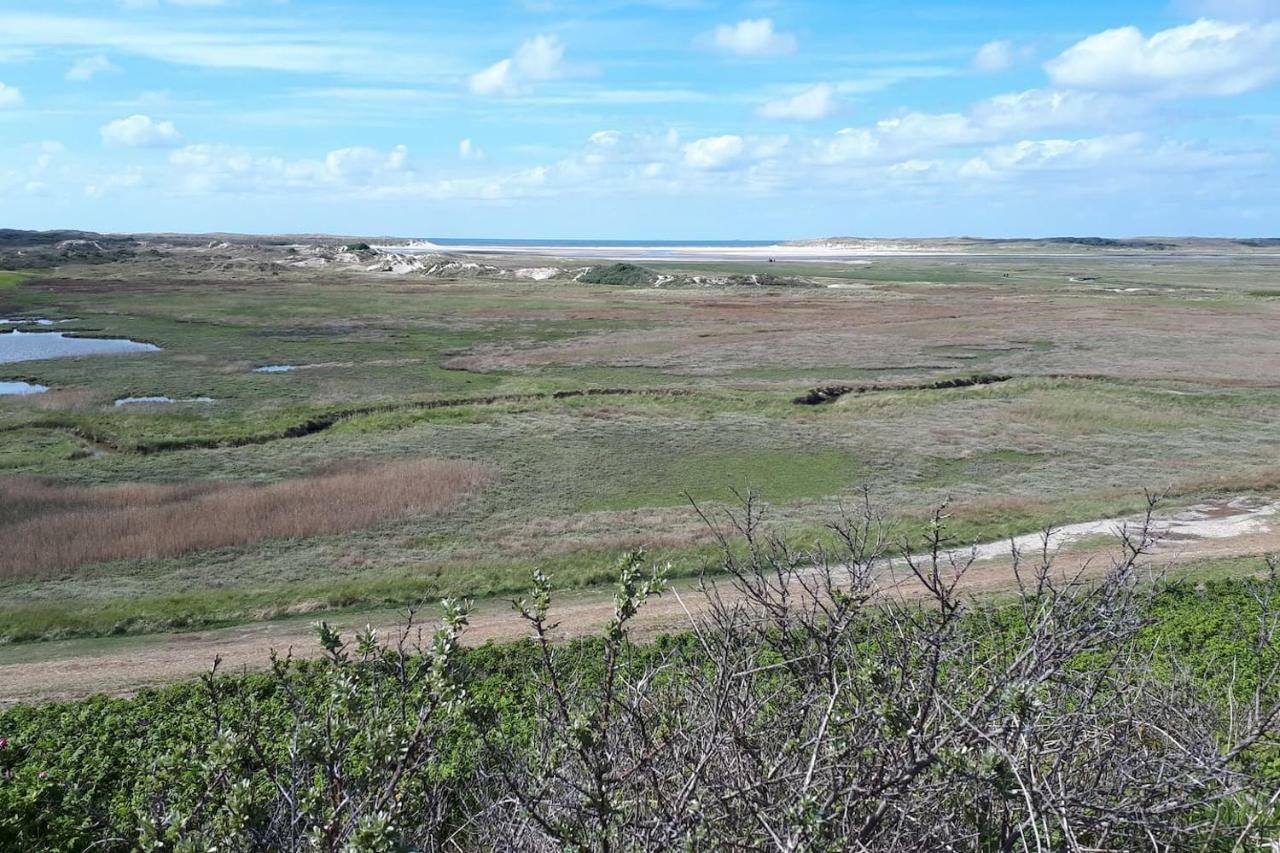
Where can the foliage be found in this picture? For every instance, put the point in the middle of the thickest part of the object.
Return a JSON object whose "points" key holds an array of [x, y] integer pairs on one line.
{"points": [[629, 275], [822, 700]]}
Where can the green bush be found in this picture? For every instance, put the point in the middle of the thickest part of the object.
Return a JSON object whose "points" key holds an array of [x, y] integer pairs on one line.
{"points": [[628, 275], [824, 720]]}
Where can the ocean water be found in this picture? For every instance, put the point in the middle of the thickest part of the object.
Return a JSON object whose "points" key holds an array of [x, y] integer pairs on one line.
{"points": [[598, 244], [635, 250]]}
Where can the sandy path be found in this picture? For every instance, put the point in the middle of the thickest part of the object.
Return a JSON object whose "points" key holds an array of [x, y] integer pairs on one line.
{"points": [[1235, 527]]}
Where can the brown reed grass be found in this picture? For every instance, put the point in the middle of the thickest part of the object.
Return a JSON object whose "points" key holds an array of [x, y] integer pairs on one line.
{"points": [[46, 528]]}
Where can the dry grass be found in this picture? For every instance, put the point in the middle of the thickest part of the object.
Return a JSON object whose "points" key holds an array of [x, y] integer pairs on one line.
{"points": [[46, 527], [58, 400]]}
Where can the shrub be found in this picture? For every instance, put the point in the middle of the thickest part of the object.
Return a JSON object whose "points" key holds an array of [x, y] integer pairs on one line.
{"points": [[628, 275], [824, 700]]}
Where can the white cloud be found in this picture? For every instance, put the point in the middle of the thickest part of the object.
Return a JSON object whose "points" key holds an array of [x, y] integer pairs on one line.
{"points": [[932, 128], [360, 162], [355, 171], [871, 80], [497, 79], [994, 56], [753, 38], [916, 168], [1039, 109], [468, 150], [360, 173], [34, 168], [10, 96], [45, 154], [847, 144], [1203, 58], [637, 155], [1061, 153], [917, 154], [235, 43], [205, 168], [140, 131], [606, 138], [1123, 158], [131, 177], [976, 168], [913, 134], [85, 69], [892, 139], [540, 58], [714, 152], [816, 102]]}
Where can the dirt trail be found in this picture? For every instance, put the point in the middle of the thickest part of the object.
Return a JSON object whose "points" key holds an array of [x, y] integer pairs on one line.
{"points": [[69, 669]]}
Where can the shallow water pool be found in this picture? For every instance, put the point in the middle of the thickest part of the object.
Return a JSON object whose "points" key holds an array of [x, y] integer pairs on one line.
{"points": [[33, 346], [130, 401], [8, 389]]}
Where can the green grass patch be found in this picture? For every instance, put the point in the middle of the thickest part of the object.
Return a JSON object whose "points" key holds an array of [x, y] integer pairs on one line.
{"points": [[35, 449], [781, 474], [982, 466], [12, 279], [63, 618]]}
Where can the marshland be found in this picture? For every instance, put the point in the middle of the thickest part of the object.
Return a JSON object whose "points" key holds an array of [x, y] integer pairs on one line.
{"points": [[706, 469]]}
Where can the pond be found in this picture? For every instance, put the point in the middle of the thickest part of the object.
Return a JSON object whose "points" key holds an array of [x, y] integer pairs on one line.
{"points": [[130, 401], [8, 388], [34, 346]]}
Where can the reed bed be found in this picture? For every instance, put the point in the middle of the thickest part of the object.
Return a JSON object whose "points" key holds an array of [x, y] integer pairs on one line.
{"points": [[46, 528]]}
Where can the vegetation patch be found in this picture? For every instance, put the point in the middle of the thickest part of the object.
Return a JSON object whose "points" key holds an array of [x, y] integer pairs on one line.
{"points": [[1109, 716], [629, 275], [12, 279], [48, 528], [984, 466], [715, 475]]}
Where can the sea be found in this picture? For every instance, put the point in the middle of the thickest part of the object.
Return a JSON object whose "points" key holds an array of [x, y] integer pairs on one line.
{"points": [[598, 244]]}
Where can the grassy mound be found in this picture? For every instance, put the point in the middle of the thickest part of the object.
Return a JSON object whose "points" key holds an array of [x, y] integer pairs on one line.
{"points": [[624, 274]]}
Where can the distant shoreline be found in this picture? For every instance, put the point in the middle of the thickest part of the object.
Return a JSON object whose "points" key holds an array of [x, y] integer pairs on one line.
{"points": [[841, 250]]}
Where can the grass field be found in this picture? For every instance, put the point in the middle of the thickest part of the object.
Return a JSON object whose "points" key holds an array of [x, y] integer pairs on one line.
{"points": [[1120, 376]]}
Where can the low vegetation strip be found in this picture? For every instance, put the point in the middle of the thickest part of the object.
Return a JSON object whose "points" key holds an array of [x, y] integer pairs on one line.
{"points": [[829, 393], [47, 528], [327, 420]]}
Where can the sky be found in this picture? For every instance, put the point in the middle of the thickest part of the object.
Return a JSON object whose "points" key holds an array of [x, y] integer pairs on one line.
{"points": [[649, 119]]}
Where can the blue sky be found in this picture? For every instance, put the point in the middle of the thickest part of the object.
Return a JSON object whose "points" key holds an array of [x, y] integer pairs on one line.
{"points": [[662, 119]]}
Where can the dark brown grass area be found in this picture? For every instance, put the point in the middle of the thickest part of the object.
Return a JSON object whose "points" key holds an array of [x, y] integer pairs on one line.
{"points": [[46, 527]]}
